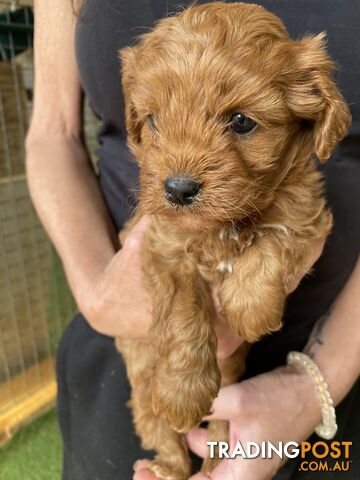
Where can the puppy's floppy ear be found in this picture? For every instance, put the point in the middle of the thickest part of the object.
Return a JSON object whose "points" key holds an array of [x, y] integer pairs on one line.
{"points": [[313, 95], [128, 75]]}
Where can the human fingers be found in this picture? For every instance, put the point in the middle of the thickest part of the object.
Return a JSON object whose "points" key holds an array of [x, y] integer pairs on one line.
{"points": [[228, 404], [196, 440], [142, 472]]}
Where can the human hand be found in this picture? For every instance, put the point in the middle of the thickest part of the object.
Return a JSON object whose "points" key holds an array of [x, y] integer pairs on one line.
{"points": [[117, 304], [280, 405]]}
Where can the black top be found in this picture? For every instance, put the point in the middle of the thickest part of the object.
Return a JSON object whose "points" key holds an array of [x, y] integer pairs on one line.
{"points": [[104, 27]]}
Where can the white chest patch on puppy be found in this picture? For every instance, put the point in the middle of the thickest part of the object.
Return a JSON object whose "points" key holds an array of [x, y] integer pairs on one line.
{"points": [[225, 266], [229, 233]]}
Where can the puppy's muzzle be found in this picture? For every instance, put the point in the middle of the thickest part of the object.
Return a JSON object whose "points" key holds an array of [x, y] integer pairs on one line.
{"points": [[181, 190]]}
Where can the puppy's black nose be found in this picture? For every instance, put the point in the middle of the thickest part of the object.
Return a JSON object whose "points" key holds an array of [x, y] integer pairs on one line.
{"points": [[181, 190]]}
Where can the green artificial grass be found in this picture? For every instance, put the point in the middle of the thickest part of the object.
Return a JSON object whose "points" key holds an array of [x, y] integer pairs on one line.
{"points": [[35, 453]]}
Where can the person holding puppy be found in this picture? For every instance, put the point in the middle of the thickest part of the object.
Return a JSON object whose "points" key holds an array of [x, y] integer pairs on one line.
{"points": [[275, 402]]}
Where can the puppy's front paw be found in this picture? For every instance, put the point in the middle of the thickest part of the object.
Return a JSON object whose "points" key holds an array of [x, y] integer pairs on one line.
{"points": [[184, 401]]}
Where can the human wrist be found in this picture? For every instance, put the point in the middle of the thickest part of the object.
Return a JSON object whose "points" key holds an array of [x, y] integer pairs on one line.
{"points": [[308, 408], [327, 428], [85, 283], [337, 377], [336, 364]]}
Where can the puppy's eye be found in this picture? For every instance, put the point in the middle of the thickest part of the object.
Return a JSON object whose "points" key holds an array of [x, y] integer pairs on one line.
{"points": [[241, 124], [151, 119]]}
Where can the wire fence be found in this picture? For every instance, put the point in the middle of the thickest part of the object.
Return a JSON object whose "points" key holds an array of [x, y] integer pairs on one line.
{"points": [[35, 301]]}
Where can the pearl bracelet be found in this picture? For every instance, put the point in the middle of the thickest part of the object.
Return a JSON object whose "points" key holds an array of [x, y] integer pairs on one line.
{"points": [[328, 426]]}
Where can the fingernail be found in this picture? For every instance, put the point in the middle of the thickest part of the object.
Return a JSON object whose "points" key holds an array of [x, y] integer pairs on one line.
{"points": [[136, 464]]}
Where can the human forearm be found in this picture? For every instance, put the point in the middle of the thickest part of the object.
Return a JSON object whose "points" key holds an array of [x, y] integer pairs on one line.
{"points": [[68, 200], [335, 342], [107, 284]]}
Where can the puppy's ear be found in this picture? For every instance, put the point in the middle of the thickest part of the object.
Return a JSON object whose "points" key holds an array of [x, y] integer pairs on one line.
{"points": [[313, 95], [128, 75]]}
